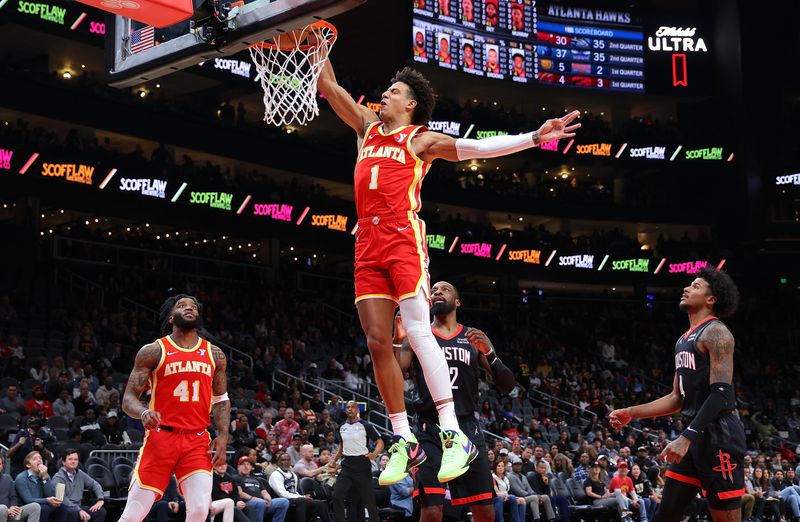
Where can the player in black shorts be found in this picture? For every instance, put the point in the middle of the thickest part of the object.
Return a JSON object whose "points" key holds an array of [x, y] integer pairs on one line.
{"points": [[466, 350], [709, 454]]}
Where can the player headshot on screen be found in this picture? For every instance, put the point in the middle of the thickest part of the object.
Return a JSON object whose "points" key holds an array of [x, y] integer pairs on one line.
{"points": [[491, 13], [491, 60], [467, 11], [468, 62], [444, 49], [419, 44], [517, 17], [518, 65], [444, 7]]}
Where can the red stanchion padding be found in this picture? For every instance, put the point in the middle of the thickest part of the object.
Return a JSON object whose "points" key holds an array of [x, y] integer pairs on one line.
{"points": [[158, 13]]}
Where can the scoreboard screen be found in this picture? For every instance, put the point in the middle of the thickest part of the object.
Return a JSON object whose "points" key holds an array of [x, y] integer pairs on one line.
{"points": [[553, 43]]}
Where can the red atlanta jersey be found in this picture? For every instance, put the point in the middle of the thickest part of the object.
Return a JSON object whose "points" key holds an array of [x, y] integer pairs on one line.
{"points": [[388, 175], [181, 385]]}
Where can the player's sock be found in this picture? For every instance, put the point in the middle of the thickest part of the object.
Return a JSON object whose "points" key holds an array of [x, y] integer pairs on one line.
{"points": [[447, 416], [416, 320], [400, 424]]}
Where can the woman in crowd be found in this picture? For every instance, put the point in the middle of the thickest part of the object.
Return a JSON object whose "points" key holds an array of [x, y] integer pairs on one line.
{"points": [[503, 498]]}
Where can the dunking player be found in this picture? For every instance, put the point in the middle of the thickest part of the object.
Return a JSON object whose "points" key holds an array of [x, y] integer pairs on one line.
{"points": [[466, 350], [710, 451], [187, 380], [391, 259]]}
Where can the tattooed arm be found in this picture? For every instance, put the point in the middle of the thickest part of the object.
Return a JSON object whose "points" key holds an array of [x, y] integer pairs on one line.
{"points": [[147, 360], [220, 409], [718, 343]]}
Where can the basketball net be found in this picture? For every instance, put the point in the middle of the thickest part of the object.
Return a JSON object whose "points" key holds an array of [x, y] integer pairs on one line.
{"points": [[288, 67]]}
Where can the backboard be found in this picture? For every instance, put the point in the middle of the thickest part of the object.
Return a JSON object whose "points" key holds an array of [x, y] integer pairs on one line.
{"points": [[136, 53]]}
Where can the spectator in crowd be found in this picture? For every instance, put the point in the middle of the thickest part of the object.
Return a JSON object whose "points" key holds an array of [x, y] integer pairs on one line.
{"points": [[540, 483], [75, 482], [264, 429], [63, 406], [522, 489], [85, 342], [103, 393], [34, 438], [84, 399], [285, 483], [597, 491], [286, 428], [112, 430], [257, 499], [401, 496], [34, 485], [242, 435], [335, 409], [306, 467], [12, 404], [582, 471], [307, 413], [91, 432], [56, 386], [39, 402], [294, 450], [501, 488], [9, 502], [225, 488], [538, 456], [622, 487], [644, 490]]}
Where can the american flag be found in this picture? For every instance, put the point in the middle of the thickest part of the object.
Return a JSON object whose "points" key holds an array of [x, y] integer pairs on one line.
{"points": [[142, 39]]}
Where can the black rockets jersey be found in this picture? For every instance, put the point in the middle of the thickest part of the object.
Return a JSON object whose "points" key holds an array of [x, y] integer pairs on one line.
{"points": [[693, 369], [464, 367]]}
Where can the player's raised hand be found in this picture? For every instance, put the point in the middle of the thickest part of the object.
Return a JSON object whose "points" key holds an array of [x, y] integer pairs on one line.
{"points": [[479, 340], [558, 128], [151, 419], [619, 418], [217, 449]]}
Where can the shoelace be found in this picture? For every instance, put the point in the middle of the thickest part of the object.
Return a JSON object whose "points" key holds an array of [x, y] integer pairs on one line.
{"points": [[448, 438], [394, 448]]}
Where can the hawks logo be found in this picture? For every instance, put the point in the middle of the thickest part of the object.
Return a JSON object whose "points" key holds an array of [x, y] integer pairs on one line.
{"points": [[725, 467], [226, 487], [400, 137], [202, 352]]}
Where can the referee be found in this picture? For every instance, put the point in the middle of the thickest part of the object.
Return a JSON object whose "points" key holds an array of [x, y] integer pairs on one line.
{"points": [[356, 466]]}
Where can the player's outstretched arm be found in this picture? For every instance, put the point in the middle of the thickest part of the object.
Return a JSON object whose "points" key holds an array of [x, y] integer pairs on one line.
{"points": [[220, 406], [147, 360], [666, 405], [358, 117], [502, 376], [433, 145]]}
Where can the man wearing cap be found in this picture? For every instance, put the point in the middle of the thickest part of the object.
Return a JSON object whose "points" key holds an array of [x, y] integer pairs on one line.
{"points": [[253, 491], [520, 488], [34, 438], [39, 402], [622, 487], [225, 489]]}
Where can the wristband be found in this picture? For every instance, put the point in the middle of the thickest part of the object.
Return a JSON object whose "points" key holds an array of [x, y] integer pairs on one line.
{"points": [[494, 360], [141, 417], [690, 434]]}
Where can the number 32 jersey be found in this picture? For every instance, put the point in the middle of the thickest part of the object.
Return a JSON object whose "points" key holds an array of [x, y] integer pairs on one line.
{"points": [[388, 175], [181, 385]]}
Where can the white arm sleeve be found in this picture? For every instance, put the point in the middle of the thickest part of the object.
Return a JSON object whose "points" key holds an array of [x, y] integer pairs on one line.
{"points": [[494, 146]]}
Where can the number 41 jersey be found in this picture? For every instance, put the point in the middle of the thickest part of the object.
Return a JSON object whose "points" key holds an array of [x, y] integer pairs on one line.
{"points": [[181, 385], [464, 369]]}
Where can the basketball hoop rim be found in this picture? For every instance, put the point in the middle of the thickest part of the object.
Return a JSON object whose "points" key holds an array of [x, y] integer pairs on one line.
{"points": [[320, 24]]}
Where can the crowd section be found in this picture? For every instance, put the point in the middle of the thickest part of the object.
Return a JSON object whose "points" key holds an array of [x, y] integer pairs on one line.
{"points": [[66, 360], [301, 191]]}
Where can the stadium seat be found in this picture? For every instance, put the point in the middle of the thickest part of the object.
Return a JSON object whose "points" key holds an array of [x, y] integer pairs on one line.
{"points": [[57, 421], [96, 460], [122, 475], [104, 477], [121, 460]]}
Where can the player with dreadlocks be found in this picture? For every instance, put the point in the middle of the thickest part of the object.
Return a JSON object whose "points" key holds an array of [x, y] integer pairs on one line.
{"points": [[187, 380]]}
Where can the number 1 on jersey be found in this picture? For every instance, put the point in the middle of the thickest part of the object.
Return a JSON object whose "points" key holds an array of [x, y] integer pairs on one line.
{"points": [[182, 391], [373, 180]]}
